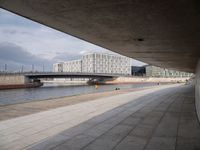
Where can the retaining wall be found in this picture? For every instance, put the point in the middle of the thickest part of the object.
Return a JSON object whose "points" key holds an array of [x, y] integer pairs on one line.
{"points": [[12, 79]]}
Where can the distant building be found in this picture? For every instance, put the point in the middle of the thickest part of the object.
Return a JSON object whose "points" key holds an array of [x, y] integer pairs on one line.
{"points": [[138, 70], [153, 71], [58, 67], [106, 63], [97, 63], [72, 66]]}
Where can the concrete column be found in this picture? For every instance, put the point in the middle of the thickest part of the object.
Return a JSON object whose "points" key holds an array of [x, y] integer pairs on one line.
{"points": [[197, 89]]}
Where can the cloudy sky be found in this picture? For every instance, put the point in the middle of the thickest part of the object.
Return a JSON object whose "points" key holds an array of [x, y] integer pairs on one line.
{"points": [[26, 43]]}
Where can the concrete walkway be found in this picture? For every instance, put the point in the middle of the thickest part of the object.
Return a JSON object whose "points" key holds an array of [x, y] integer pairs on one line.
{"points": [[27, 108], [161, 118]]}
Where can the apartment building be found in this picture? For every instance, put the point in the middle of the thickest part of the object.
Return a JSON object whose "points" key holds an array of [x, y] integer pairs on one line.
{"points": [[99, 63], [72, 66], [58, 67]]}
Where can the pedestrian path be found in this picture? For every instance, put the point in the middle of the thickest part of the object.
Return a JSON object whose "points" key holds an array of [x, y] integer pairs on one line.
{"points": [[154, 119]]}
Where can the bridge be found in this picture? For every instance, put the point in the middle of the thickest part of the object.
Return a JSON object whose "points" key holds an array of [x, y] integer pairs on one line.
{"points": [[93, 77], [28, 77], [39, 75]]}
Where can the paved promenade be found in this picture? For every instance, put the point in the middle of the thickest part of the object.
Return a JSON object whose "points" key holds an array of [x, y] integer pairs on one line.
{"points": [[161, 118], [23, 109]]}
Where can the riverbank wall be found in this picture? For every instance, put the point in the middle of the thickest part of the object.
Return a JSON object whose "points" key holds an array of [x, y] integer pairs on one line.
{"points": [[122, 80], [16, 81], [146, 80], [7, 79]]}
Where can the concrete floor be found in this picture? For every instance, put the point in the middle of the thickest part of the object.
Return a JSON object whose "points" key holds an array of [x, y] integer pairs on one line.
{"points": [[161, 118], [23, 109]]}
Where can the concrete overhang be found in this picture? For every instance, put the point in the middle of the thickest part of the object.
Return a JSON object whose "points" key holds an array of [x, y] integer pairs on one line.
{"points": [[162, 33]]}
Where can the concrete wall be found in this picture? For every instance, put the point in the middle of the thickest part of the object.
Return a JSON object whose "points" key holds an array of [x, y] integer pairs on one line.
{"points": [[197, 89], [146, 79], [12, 79]]}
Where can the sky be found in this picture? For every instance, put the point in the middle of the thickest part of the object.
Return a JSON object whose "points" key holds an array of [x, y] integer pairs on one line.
{"points": [[25, 43]]}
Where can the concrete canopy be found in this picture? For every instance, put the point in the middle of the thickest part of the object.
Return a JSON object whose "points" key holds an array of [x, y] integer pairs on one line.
{"points": [[162, 33]]}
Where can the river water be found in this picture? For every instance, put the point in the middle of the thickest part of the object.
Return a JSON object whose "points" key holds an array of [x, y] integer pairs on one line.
{"points": [[49, 91]]}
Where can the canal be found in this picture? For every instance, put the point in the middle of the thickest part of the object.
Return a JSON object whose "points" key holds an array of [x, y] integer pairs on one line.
{"points": [[49, 91]]}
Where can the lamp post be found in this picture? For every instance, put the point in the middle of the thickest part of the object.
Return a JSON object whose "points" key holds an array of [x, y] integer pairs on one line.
{"points": [[22, 70], [32, 67], [43, 67], [5, 67]]}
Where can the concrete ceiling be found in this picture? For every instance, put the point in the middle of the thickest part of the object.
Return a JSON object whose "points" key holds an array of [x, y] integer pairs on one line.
{"points": [[164, 33]]}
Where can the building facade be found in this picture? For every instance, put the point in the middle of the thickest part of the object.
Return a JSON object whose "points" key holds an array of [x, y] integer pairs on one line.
{"points": [[98, 63], [58, 67], [138, 70], [153, 71], [106, 63], [72, 66]]}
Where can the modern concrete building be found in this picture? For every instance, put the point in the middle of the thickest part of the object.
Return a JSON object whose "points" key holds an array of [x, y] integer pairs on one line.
{"points": [[106, 63], [97, 63], [72, 66], [153, 71], [138, 70], [58, 67]]}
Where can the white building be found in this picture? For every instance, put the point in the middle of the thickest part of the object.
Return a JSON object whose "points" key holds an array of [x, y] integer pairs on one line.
{"points": [[98, 63], [58, 67], [106, 63], [72, 66]]}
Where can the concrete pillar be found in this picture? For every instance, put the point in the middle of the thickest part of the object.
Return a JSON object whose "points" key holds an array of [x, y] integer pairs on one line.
{"points": [[197, 89]]}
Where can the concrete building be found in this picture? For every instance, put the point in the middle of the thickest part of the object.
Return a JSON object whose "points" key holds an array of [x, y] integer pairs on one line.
{"points": [[106, 63], [58, 67], [72, 66], [153, 71], [138, 70], [97, 63]]}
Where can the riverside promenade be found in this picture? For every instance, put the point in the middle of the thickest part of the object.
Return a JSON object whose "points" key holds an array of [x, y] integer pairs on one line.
{"points": [[160, 118]]}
